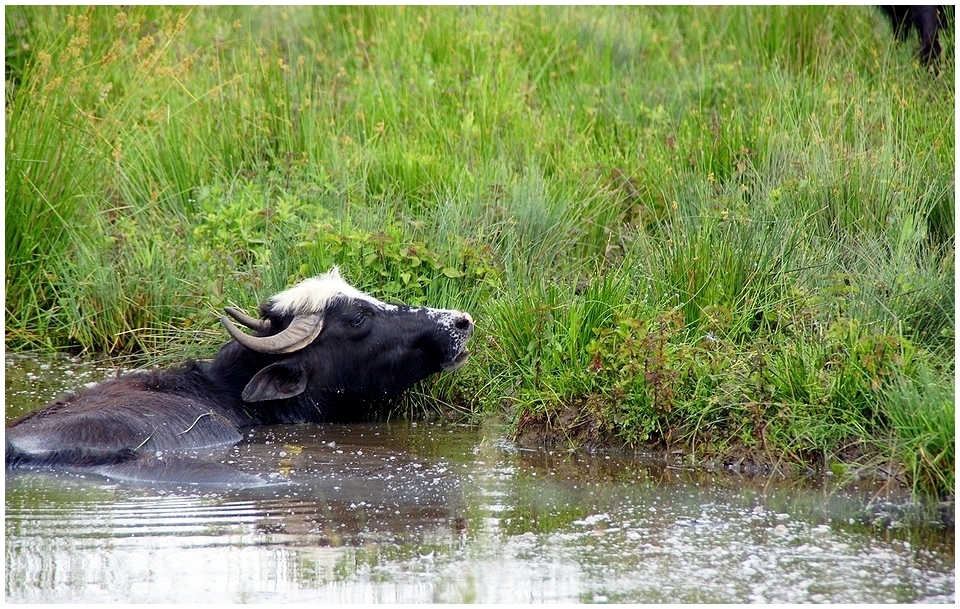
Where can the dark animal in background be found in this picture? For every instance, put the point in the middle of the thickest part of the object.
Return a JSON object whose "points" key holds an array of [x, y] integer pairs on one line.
{"points": [[322, 351], [928, 20]]}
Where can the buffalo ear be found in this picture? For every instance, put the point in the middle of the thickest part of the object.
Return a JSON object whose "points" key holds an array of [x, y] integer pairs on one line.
{"points": [[275, 382]]}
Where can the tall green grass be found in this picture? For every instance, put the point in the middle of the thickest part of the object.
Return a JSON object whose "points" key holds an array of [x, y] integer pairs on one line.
{"points": [[922, 417], [724, 230]]}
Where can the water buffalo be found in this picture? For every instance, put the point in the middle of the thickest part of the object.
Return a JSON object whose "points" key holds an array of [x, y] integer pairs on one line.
{"points": [[321, 351], [927, 19]]}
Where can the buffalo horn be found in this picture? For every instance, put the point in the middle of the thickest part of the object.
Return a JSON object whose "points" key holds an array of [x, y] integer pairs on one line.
{"points": [[300, 333], [257, 325]]}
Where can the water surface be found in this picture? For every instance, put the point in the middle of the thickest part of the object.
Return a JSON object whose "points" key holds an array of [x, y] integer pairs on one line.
{"points": [[440, 512]]}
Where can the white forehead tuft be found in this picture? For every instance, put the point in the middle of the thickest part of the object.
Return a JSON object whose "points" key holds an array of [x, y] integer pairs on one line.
{"points": [[315, 294]]}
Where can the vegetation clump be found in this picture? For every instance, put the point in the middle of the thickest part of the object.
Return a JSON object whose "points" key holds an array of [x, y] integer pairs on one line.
{"points": [[724, 231]]}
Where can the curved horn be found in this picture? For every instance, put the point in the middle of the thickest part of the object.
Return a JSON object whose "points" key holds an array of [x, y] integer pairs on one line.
{"points": [[300, 333], [258, 325]]}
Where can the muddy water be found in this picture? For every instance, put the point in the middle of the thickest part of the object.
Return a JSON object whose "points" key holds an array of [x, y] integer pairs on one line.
{"points": [[430, 512]]}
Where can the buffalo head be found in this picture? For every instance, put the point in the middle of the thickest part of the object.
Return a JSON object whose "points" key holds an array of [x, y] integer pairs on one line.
{"points": [[324, 342]]}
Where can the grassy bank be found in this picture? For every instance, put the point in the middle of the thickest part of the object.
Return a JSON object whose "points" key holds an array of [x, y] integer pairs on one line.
{"points": [[724, 231]]}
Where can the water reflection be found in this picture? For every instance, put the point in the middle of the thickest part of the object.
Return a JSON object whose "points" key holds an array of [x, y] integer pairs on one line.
{"points": [[424, 512], [344, 504]]}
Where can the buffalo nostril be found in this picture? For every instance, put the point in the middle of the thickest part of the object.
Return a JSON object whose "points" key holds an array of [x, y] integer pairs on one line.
{"points": [[463, 322]]}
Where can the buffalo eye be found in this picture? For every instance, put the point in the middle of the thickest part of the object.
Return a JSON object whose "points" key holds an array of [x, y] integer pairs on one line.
{"points": [[357, 320]]}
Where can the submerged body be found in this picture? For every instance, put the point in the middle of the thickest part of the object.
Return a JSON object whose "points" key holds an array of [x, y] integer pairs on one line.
{"points": [[321, 352]]}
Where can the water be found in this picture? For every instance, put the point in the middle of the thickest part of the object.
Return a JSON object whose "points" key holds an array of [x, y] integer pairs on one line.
{"points": [[439, 512]]}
